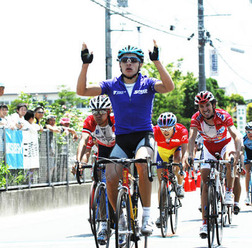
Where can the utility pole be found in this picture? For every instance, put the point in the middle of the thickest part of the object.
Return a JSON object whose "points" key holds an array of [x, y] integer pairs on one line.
{"points": [[201, 42], [108, 41]]}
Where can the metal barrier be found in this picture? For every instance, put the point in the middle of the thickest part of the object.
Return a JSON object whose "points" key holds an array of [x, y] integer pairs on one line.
{"points": [[57, 153]]}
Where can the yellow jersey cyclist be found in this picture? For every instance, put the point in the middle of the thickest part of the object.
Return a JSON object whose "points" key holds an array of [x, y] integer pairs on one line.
{"points": [[215, 126], [131, 95], [172, 139], [247, 143]]}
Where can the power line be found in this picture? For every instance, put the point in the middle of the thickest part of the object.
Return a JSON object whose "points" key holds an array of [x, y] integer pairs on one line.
{"points": [[124, 15], [231, 68]]}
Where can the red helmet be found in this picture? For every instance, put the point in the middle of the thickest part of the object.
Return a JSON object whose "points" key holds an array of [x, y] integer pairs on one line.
{"points": [[203, 97]]}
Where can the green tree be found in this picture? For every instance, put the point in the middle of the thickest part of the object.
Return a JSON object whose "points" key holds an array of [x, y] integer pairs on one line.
{"points": [[236, 99], [249, 112], [65, 106]]}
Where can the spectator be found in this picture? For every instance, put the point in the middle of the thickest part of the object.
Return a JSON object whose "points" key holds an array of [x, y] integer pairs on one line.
{"points": [[65, 123], [29, 124], [17, 119], [39, 114], [2, 86], [3, 115], [51, 125]]}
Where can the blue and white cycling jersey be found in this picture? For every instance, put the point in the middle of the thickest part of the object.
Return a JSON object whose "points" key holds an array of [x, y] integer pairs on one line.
{"points": [[132, 113], [248, 148]]}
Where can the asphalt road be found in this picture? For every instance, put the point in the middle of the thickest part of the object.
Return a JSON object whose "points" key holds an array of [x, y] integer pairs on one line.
{"points": [[68, 228]]}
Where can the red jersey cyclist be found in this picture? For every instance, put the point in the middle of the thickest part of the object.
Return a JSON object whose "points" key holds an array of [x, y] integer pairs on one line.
{"points": [[172, 139], [214, 125], [98, 126], [101, 125]]}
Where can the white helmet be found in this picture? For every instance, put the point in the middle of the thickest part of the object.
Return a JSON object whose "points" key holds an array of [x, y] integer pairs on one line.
{"points": [[100, 102]]}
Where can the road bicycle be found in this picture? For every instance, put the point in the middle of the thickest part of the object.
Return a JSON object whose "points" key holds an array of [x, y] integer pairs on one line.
{"points": [[127, 201], [169, 202], [215, 209], [99, 207]]}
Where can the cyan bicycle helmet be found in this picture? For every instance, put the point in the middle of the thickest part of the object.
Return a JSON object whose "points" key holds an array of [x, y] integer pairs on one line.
{"points": [[100, 102], [203, 97], [131, 50], [167, 119], [248, 125]]}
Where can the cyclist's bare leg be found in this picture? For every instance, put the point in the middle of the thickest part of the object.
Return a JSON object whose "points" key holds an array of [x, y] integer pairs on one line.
{"points": [[159, 172], [177, 159], [144, 183], [237, 188], [204, 177], [112, 178], [247, 178]]}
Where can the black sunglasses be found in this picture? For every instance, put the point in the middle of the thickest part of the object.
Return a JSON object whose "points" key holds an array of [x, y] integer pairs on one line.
{"points": [[129, 60], [99, 112]]}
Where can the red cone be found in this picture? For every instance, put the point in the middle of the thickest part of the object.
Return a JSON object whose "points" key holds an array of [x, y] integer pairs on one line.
{"points": [[187, 184]]}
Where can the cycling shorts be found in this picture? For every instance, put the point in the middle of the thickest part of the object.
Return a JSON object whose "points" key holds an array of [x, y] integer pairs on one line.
{"points": [[164, 154], [210, 149], [104, 151], [128, 144]]}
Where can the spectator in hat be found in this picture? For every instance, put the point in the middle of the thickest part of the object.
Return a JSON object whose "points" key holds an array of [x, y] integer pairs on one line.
{"points": [[65, 124], [51, 124]]}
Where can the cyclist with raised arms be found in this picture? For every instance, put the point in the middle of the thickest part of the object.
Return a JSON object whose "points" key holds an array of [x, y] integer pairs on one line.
{"points": [[214, 125], [172, 139], [131, 95], [99, 125], [247, 143]]}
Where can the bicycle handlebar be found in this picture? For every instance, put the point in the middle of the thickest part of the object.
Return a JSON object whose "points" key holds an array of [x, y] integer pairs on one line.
{"points": [[169, 164], [214, 161]]}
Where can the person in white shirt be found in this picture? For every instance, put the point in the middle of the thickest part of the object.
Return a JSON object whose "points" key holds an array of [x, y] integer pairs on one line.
{"points": [[17, 119]]}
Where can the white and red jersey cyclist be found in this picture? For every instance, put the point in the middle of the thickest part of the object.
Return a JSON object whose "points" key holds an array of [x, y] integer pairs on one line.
{"points": [[217, 134], [105, 136]]}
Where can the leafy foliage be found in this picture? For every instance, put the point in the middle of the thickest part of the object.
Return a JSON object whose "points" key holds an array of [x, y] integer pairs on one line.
{"points": [[249, 112], [180, 101], [65, 106]]}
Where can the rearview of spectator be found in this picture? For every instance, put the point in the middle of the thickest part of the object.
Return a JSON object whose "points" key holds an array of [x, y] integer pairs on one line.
{"points": [[29, 124]]}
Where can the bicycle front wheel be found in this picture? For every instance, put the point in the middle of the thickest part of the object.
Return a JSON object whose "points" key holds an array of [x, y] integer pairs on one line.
{"points": [[173, 211], [101, 216], [163, 208], [124, 225], [90, 206], [211, 215], [220, 220]]}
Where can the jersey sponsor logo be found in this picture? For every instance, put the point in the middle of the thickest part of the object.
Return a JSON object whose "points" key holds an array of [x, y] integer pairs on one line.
{"points": [[221, 116], [221, 130], [184, 138], [140, 92], [119, 92], [175, 140]]}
